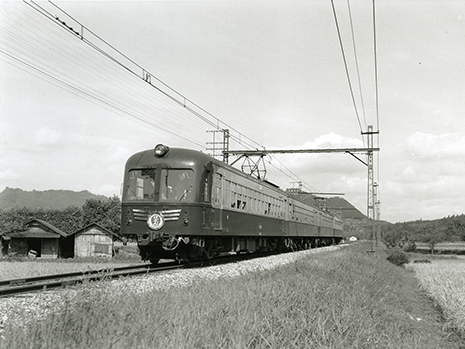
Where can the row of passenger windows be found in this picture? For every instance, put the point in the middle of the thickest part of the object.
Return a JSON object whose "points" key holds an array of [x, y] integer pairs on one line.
{"points": [[239, 197]]}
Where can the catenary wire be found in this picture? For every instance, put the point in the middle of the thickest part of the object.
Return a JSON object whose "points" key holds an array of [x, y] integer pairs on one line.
{"points": [[218, 121], [345, 65], [356, 64], [180, 99]]}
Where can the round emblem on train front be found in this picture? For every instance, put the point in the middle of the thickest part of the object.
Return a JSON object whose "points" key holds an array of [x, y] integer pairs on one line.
{"points": [[155, 221]]}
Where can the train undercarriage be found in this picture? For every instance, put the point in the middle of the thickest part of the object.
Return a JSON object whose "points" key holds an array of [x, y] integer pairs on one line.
{"points": [[194, 248]]}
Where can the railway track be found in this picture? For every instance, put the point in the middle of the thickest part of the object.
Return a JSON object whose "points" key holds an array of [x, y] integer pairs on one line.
{"points": [[9, 288], [42, 283]]}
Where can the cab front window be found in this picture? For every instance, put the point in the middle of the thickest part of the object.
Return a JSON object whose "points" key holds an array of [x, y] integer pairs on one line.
{"points": [[177, 185], [140, 185]]}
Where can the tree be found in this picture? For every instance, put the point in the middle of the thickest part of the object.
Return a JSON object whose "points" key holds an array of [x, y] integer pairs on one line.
{"points": [[396, 238], [105, 213], [431, 234], [456, 230], [13, 220]]}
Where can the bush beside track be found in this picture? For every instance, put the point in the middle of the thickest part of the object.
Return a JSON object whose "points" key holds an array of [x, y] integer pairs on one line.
{"points": [[339, 299]]}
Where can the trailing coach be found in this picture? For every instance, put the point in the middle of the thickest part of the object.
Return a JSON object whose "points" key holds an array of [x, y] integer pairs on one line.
{"points": [[183, 204]]}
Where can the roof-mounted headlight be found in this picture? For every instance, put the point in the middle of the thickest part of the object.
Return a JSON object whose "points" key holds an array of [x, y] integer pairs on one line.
{"points": [[161, 150]]}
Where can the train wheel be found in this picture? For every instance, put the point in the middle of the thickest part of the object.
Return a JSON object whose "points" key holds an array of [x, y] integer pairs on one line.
{"points": [[206, 254], [154, 261]]}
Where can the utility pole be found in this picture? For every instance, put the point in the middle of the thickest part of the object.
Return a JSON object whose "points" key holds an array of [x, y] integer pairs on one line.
{"points": [[371, 197], [220, 148]]}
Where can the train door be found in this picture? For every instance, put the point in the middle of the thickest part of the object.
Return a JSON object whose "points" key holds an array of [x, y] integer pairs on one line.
{"points": [[217, 201]]}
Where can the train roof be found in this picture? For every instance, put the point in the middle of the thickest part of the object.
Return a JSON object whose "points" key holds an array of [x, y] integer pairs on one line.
{"points": [[148, 157]]}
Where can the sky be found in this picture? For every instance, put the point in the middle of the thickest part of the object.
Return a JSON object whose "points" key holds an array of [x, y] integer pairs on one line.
{"points": [[270, 71]]}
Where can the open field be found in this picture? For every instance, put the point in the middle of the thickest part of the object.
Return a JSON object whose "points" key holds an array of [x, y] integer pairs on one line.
{"points": [[443, 248], [17, 270], [444, 280], [340, 299], [23, 267]]}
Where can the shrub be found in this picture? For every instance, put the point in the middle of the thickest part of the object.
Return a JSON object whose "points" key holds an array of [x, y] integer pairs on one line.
{"points": [[422, 261], [409, 246], [398, 258]]}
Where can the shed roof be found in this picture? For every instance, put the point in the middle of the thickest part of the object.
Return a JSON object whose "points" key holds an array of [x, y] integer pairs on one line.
{"points": [[104, 230], [36, 231]]}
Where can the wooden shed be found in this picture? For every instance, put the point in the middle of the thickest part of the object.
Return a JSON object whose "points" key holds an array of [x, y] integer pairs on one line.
{"points": [[93, 241], [40, 239]]}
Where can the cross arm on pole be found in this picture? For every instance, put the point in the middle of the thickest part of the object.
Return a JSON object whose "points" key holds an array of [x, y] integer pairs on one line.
{"points": [[302, 151]]}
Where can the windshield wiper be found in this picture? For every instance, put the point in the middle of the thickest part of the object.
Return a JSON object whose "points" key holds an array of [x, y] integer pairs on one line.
{"points": [[185, 192]]}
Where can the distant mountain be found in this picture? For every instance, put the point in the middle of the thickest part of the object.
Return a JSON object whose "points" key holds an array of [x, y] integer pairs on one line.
{"points": [[48, 199]]}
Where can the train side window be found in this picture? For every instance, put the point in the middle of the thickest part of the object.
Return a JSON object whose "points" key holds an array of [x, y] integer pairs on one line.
{"points": [[206, 187], [239, 200], [205, 190], [227, 194], [217, 195], [233, 195]]}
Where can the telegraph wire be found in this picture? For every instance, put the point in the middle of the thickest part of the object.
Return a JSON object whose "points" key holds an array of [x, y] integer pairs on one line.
{"points": [[183, 103], [345, 65], [356, 64], [376, 66], [54, 64], [76, 89], [180, 99]]}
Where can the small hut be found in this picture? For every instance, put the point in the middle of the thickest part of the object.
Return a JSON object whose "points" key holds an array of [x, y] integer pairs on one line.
{"points": [[40, 239], [93, 241]]}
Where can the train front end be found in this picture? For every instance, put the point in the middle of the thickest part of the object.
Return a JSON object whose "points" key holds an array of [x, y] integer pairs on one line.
{"points": [[165, 198]]}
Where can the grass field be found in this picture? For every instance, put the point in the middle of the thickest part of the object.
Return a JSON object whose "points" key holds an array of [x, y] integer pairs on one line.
{"points": [[23, 267], [343, 299], [444, 280], [444, 247]]}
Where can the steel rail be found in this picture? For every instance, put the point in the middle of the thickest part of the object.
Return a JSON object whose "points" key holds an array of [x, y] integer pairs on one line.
{"points": [[42, 283], [13, 287]]}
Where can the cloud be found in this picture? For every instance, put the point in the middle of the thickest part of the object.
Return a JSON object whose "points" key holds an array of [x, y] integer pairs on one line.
{"points": [[333, 140], [427, 183], [120, 154], [317, 164], [430, 146], [47, 137], [7, 174]]}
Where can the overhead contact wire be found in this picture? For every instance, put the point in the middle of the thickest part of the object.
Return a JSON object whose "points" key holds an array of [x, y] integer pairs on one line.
{"points": [[345, 65], [185, 103], [356, 64], [180, 102]]}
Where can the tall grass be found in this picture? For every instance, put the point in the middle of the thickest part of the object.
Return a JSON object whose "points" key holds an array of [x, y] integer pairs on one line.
{"points": [[342, 299], [444, 280]]}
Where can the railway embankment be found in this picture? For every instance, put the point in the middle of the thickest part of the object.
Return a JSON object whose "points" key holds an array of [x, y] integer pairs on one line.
{"points": [[337, 297]]}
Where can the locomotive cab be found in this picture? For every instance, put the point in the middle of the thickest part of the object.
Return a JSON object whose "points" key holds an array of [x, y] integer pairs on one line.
{"points": [[165, 201]]}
